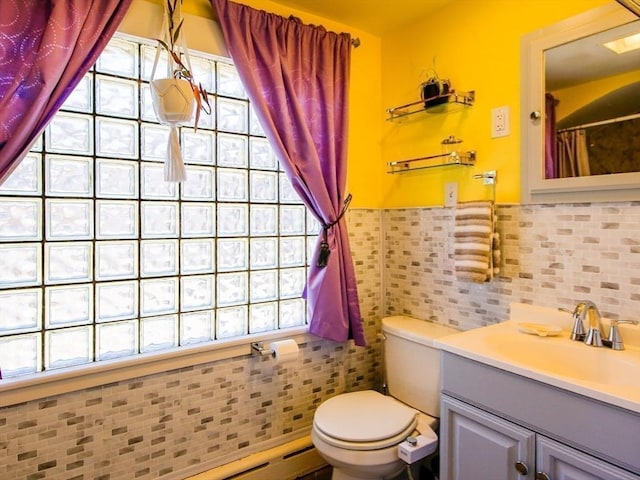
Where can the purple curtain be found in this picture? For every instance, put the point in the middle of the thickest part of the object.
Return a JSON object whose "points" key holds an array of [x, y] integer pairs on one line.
{"points": [[46, 47], [551, 169], [297, 77]]}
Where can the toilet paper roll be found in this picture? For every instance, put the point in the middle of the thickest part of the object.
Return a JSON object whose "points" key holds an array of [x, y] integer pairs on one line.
{"points": [[284, 351]]}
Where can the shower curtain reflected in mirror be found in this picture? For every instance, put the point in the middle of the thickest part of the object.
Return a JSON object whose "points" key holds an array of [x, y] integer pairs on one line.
{"points": [[566, 153], [572, 153]]}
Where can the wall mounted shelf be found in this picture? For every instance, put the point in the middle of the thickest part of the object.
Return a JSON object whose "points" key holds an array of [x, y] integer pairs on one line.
{"points": [[440, 104], [466, 159]]}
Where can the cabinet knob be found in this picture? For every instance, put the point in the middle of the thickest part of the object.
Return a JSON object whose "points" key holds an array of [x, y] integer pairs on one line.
{"points": [[522, 468], [542, 476], [535, 115]]}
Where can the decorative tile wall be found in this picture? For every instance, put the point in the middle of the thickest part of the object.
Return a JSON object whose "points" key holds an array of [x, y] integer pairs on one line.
{"points": [[552, 255], [159, 425]]}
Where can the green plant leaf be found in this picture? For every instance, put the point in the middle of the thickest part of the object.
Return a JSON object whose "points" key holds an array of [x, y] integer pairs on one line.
{"points": [[196, 96], [206, 106], [176, 34], [178, 61], [164, 45]]}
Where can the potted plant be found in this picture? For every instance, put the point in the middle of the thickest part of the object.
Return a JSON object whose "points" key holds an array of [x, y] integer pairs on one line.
{"points": [[176, 97], [435, 90]]}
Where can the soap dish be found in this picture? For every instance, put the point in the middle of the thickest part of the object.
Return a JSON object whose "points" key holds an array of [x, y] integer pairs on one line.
{"points": [[539, 329]]}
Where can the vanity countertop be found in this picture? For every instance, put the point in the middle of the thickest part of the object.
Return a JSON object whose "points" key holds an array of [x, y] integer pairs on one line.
{"points": [[549, 356]]}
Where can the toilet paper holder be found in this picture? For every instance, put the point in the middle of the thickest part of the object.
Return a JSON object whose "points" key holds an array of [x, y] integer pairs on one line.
{"points": [[258, 349], [282, 351]]}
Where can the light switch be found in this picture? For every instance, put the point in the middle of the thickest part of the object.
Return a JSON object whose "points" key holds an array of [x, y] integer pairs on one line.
{"points": [[450, 194]]}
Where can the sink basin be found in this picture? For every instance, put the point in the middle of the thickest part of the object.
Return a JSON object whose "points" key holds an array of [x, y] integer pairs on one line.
{"points": [[563, 357], [597, 372]]}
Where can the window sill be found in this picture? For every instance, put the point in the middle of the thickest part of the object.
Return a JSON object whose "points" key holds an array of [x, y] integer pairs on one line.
{"points": [[57, 382]]}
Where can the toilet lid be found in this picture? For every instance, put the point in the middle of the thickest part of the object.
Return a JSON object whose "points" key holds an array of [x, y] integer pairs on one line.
{"points": [[366, 416]]}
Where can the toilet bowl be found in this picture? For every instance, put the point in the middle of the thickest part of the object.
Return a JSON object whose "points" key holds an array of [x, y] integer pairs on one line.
{"points": [[359, 433]]}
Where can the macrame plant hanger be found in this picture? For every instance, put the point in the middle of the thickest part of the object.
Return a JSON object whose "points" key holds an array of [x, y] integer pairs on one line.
{"points": [[173, 98]]}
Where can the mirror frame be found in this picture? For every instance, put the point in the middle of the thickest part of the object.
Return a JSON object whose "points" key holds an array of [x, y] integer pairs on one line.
{"points": [[534, 187]]}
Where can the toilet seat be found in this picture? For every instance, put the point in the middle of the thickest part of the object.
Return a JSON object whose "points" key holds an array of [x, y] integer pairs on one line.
{"points": [[365, 420]]}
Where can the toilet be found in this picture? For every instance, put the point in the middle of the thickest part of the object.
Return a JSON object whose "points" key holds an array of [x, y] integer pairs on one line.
{"points": [[359, 433]]}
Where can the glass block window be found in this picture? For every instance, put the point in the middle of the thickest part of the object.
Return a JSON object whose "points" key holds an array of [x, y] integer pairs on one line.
{"points": [[101, 259]]}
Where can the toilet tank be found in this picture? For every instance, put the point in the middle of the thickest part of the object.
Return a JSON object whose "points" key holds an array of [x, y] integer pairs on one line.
{"points": [[412, 362]]}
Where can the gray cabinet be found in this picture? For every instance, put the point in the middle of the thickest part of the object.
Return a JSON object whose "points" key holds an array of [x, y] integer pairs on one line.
{"points": [[496, 425], [477, 445], [560, 462]]}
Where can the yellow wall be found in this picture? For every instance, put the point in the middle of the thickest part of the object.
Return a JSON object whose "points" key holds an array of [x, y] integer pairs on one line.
{"points": [[476, 44], [365, 112], [365, 123]]}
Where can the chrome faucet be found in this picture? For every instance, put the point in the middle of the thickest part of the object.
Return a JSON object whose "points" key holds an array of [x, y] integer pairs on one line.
{"points": [[594, 334], [594, 330]]}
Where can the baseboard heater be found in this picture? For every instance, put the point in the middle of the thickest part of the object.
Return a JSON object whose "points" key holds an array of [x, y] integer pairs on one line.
{"points": [[284, 462]]}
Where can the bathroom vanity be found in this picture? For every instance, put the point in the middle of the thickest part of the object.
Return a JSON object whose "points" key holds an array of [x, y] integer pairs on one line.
{"points": [[517, 406]]}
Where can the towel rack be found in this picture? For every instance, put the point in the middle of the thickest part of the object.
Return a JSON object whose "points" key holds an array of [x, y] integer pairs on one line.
{"points": [[466, 159], [489, 177]]}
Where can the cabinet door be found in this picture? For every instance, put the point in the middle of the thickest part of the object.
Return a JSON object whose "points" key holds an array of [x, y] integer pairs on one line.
{"points": [[560, 462], [476, 445]]}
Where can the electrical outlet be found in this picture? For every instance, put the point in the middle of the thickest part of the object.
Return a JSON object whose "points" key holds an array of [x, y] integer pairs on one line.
{"points": [[450, 194], [500, 122]]}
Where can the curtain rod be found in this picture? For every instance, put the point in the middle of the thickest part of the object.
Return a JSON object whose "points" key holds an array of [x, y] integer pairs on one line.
{"points": [[603, 122]]}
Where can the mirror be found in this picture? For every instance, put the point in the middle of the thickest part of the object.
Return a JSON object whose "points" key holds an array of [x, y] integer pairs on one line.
{"points": [[596, 110], [573, 85]]}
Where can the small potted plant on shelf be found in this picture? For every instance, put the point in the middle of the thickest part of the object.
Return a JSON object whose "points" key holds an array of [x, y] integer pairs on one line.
{"points": [[435, 90], [176, 97]]}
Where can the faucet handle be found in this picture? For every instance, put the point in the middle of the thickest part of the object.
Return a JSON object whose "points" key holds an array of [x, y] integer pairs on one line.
{"points": [[614, 334], [577, 332]]}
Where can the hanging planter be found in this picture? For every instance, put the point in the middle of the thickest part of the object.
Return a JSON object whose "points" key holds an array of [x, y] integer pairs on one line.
{"points": [[177, 97], [173, 100]]}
